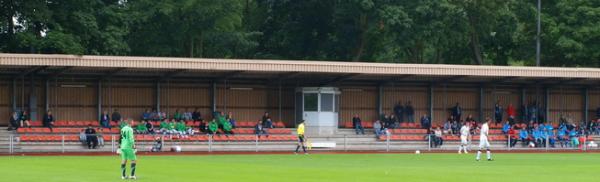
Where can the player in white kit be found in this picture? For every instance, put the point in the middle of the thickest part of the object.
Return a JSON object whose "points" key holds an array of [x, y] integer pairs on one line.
{"points": [[483, 140], [465, 132]]}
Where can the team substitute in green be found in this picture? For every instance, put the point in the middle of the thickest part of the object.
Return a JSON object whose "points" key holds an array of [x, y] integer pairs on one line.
{"points": [[127, 149]]}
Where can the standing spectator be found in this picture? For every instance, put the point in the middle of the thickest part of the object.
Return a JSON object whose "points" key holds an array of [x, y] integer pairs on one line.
{"points": [[48, 120], [231, 120], [541, 114], [399, 111], [510, 111], [105, 120], [598, 112], [14, 121], [524, 113], [266, 120], [147, 115], [457, 111], [410, 112], [377, 128], [259, 130], [196, 116], [24, 120], [426, 122], [533, 112], [357, 124], [116, 116], [91, 138], [498, 112]]}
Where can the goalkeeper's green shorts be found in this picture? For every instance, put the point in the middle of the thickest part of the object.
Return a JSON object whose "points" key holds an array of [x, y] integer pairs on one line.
{"points": [[128, 154]]}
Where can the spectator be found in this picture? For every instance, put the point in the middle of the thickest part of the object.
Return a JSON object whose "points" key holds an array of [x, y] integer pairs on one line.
{"points": [[398, 111], [48, 120], [91, 138], [598, 112], [438, 139], [533, 112], [221, 120], [524, 112], [506, 127], [357, 124], [105, 120], [231, 120], [150, 127], [393, 122], [178, 115], [562, 136], [377, 128], [457, 111], [141, 128], [387, 122], [24, 120], [213, 127], [538, 137], [410, 112], [100, 137], [259, 130], [147, 115], [498, 112], [512, 134], [524, 136], [425, 122], [227, 128], [448, 126], [550, 135], [574, 137], [82, 137], [181, 129], [510, 111], [203, 127], [116, 116], [14, 121], [196, 116], [164, 127], [187, 116], [157, 147], [266, 120], [455, 128]]}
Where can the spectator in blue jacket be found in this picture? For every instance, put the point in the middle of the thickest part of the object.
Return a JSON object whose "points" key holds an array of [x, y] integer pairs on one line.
{"points": [[506, 127], [524, 136], [537, 136], [357, 124], [550, 135], [574, 137], [425, 122], [562, 136]]}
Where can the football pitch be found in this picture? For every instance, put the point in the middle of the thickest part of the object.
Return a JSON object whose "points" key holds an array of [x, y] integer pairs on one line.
{"points": [[314, 167]]}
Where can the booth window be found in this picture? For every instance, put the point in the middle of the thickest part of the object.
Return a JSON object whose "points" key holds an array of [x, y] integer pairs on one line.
{"points": [[311, 102], [326, 102]]}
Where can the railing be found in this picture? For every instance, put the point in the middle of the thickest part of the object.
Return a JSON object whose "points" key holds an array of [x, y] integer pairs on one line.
{"points": [[344, 143]]}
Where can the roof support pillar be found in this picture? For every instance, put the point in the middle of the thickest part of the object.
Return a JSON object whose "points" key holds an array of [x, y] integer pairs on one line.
{"points": [[379, 100], [99, 99], [213, 96], [46, 94], [523, 105], [157, 95], [32, 99], [279, 102], [481, 99], [546, 105], [14, 95], [430, 95], [586, 104]]}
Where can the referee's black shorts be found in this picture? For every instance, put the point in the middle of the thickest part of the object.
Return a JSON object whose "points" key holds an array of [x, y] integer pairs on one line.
{"points": [[301, 138]]}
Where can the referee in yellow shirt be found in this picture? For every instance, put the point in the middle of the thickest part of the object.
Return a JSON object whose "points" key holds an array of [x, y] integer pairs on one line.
{"points": [[301, 139]]}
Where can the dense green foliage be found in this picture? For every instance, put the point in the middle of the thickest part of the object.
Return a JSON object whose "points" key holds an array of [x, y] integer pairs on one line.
{"points": [[326, 167], [491, 32]]}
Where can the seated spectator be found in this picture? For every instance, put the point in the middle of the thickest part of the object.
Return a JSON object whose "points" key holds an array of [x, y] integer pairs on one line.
{"points": [[221, 120], [574, 137], [202, 127], [455, 128], [227, 128], [83, 137], [164, 127], [213, 127], [150, 127], [100, 137], [24, 119], [14, 121], [268, 124], [155, 116], [196, 116], [178, 115], [183, 130], [141, 128], [105, 120], [562, 136], [512, 134], [231, 120], [387, 122], [48, 120], [506, 127], [259, 130], [147, 115], [157, 146], [538, 138], [550, 135], [425, 122], [524, 136], [357, 124], [377, 128], [187, 116], [447, 127], [116, 116], [264, 119], [91, 138], [438, 139], [393, 122]]}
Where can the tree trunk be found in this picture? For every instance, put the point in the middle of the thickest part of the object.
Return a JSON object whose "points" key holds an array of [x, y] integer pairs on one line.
{"points": [[192, 46], [361, 39], [201, 46], [474, 38]]}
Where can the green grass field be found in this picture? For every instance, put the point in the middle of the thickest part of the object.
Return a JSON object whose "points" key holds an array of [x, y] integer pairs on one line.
{"points": [[314, 167]]}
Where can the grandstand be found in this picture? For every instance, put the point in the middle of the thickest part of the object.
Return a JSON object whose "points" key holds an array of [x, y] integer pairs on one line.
{"points": [[78, 88]]}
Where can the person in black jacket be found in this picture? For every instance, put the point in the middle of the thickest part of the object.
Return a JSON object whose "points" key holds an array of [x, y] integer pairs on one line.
{"points": [[357, 124], [260, 130], [105, 120], [14, 121], [410, 112], [48, 120], [116, 116], [24, 120], [399, 112], [91, 138]]}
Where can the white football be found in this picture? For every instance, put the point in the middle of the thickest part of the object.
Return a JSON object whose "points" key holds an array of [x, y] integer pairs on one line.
{"points": [[418, 152]]}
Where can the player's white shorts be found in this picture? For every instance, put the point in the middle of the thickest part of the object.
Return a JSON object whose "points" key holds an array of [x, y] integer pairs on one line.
{"points": [[463, 140], [483, 143]]}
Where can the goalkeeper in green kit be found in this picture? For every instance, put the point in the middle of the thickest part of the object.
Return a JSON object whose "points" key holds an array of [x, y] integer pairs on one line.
{"points": [[127, 149]]}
